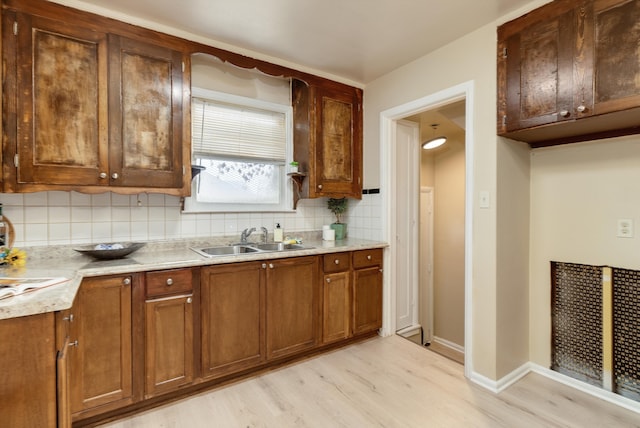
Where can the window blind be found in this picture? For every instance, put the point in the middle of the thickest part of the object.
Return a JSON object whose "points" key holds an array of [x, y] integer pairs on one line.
{"points": [[230, 130]]}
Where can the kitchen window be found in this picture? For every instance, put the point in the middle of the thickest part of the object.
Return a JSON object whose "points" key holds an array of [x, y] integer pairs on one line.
{"points": [[244, 145]]}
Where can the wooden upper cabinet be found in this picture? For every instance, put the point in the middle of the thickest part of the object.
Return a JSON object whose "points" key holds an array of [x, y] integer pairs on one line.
{"points": [[328, 139], [146, 121], [62, 127], [539, 74], [568, 71], [91, 110], [616, 56]]}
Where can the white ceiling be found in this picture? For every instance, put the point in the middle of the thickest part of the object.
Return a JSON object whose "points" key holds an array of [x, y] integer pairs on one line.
{"points": [[356, 40]]}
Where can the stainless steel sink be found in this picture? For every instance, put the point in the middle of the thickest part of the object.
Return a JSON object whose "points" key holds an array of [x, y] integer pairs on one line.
{"points": [[225, 250], [238, 249], [278, 246]]}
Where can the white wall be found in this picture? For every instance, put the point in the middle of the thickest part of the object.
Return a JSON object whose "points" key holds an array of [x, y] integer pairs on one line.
{"points": [[578, 192], [471, 58]]}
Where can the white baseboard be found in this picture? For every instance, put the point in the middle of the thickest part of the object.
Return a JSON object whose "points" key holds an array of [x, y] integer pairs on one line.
{"points": [[447, 344], [410, 331], [523, 370]]}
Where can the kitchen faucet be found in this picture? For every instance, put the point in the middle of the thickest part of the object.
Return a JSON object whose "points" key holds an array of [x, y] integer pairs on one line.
{"points": [[245, 234]]}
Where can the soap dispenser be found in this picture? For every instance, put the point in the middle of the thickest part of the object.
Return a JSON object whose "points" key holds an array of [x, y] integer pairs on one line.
{"points": [[278, 233]]}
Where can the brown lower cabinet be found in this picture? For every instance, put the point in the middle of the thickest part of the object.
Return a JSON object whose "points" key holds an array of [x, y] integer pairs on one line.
{"points": [[292, 306], [336, 297], [233, 318], [367, 290], [146, 336], [28, 375], [96, 341], [169, 325]]}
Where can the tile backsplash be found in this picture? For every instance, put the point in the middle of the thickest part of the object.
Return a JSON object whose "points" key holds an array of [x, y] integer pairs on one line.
{"points": [[64, 218]]}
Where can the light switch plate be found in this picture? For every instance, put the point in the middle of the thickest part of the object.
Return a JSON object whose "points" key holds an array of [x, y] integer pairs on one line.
{"points": [[485, 200]]}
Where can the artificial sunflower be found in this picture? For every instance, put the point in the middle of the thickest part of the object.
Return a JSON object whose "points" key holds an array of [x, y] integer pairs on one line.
{"points": [[13, 256]]}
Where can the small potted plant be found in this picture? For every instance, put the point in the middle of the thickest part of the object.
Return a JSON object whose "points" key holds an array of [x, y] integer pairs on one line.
{"points": [[293, 167], [338, 206]]}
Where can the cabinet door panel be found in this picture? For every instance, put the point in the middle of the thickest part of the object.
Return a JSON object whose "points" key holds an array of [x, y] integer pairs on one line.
{"points": [[336, 307], [617, 58], [367, 300], [62, 73], [540, 73], [338, 152], [101, 362], [233, 320], [292, 306], [146, 124], [169, 344]]}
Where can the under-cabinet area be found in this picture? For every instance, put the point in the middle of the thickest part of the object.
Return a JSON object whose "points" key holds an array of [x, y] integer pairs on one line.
{"points": [[135, 339]]}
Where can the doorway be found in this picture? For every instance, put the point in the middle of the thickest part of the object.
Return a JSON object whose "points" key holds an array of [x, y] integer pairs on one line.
{"points": [[430, 253], [390, 168]]}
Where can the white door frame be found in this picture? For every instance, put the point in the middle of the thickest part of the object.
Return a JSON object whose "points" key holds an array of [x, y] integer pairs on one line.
{"points": [[426, 278], [407, 253], [388, 118]]}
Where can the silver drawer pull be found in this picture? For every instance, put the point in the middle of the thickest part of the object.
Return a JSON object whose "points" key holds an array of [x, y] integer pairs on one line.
{"points": [[189, 300], [126, 281], [369, 257], [270, 265], [264, 265], [328, 280], [74, 343], [169, 281], [337, 261]]}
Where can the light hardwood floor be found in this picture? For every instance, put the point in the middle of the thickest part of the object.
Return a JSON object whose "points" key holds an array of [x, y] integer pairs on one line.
{"points": [[383, 382]]}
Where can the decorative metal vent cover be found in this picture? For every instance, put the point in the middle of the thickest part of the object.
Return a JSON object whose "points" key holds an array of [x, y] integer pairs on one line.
{"points": [[626, 332], [576, 311]]}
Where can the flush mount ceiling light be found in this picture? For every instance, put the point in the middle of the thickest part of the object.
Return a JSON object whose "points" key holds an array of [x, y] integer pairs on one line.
{"points": [[435, 141]]}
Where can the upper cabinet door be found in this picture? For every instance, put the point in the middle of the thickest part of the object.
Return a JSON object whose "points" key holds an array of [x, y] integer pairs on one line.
{"points": [[146, 114], [338, 152], [616, 54], [539, 69], [61, 120], [328, 138]]}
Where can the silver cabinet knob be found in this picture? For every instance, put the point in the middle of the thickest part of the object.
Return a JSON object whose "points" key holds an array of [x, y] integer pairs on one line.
{"points": [[581, 109], [564, 113], [103, 175], [114, 175], [328, 280], [369, 257], [270, 265], [336, 261], [169, 281], [74, 343], [189, 300], [320, 186], [69, 318], [126, 281], [264, 265]]}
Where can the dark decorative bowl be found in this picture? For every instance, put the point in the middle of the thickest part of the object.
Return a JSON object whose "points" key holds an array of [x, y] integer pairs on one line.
{"points": [[109, 251]]}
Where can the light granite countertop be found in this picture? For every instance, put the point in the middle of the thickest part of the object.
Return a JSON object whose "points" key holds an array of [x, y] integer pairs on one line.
{"points": [[63, 261]]}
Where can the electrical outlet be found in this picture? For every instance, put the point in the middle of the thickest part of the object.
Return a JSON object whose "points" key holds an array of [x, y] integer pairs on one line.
{"points": [[625, 228]]}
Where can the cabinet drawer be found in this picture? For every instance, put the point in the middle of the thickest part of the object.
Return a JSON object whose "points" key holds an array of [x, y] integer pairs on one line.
{"points": [[168, 282], [337, 262], [366, 258]]}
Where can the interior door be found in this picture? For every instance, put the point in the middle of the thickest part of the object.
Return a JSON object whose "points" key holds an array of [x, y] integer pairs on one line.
{"points": [[407, 234]]}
